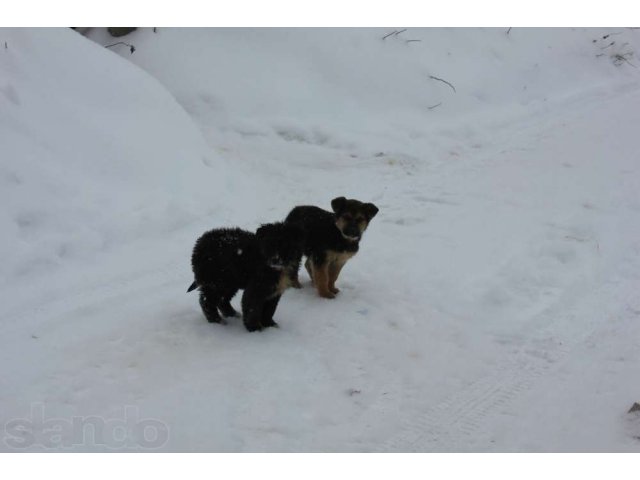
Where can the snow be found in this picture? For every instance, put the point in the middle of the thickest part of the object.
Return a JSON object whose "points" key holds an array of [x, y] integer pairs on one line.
{"points": [[492, 306]]}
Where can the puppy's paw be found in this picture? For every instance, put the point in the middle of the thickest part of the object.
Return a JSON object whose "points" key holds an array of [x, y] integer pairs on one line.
{"points": [[270, 323], [229, 311], [327, 294], [215, 319]]}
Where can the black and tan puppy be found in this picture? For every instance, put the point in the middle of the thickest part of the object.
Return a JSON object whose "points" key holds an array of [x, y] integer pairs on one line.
{"points": [[331, 238], [228, 259]]}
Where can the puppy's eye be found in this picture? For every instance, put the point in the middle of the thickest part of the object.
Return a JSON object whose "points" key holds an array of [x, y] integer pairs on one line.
{"points": [[347, 216]]}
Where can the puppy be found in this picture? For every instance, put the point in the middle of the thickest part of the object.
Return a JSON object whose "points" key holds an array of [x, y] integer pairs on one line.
{"points": [[331, 238], [228, 259]]}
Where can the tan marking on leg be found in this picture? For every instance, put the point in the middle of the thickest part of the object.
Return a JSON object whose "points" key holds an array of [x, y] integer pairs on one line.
{"points": [[321, 280], [336, 263], [309, 267], [334, 271]]}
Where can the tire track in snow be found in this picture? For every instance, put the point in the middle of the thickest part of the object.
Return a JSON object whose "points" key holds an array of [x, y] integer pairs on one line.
{"points": [[456, 423]]}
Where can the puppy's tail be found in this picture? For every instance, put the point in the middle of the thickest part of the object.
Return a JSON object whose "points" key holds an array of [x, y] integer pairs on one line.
{"points": [[193, 286]]}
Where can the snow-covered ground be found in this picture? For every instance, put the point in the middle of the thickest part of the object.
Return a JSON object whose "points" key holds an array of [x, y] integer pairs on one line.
{"points": [[493, 305]]}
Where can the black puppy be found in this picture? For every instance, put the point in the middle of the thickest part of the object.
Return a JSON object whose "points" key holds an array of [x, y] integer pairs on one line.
{"points": [[331, 238], [228, 259]]}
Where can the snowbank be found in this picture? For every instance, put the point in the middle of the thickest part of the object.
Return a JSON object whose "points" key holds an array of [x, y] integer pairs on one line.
{"points": [[96, 154]]}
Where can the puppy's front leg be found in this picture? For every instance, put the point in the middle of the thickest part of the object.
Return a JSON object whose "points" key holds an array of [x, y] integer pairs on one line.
{"points": [[321, 280], [252, 318], [268, 310], [334, 271], [252, 308]]}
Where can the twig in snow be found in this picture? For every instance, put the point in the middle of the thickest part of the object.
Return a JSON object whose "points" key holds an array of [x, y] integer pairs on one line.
{"points": [[131, 47], [155, 29], [508, 30], [618, 59], [395, 33], [389, 34], [6, 47], [409, 41], [610, 45], [434, 106], [443, 81]]}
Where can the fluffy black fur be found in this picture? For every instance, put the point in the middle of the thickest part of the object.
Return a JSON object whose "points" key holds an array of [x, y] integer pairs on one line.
{"points": [[331, 238], [228, 259]]}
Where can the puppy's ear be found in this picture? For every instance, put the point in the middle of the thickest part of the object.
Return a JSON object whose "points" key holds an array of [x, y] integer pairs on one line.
{"points": [[370, 210], [338, 204]]}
